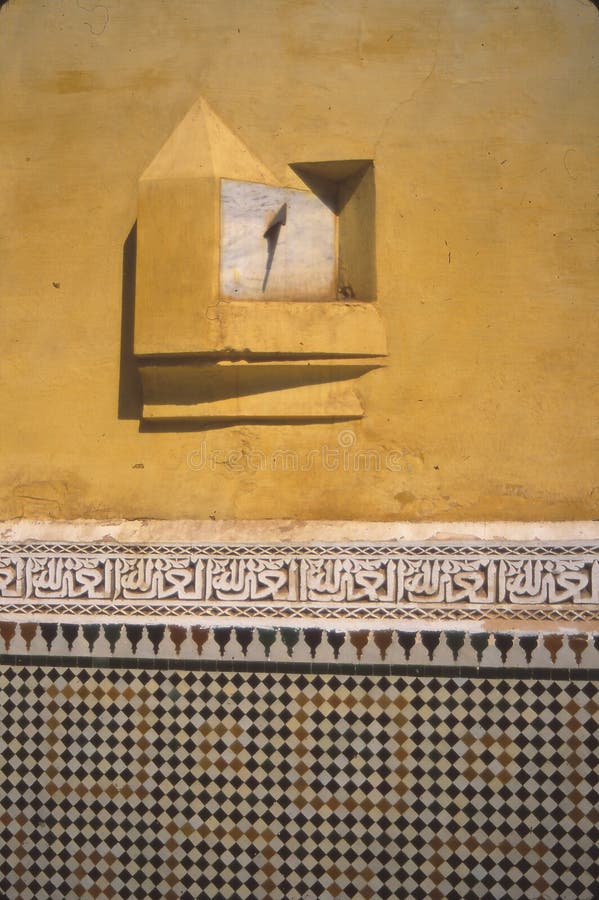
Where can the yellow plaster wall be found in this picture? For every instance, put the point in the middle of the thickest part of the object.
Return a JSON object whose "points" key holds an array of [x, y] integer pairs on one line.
{"points": [[483, 121]]}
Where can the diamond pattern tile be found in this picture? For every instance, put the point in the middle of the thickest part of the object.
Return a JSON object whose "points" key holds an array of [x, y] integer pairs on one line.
{"points": [[133, 783]]}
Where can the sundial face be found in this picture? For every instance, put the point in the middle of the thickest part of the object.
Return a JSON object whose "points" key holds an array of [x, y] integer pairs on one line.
{"points": [[276, 244]]}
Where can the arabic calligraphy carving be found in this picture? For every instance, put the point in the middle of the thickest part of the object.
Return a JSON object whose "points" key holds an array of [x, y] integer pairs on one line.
{"points": [[388, 578]]}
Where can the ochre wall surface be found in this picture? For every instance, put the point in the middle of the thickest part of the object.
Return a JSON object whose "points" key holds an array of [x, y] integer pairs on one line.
{"points": [[482, 120]]}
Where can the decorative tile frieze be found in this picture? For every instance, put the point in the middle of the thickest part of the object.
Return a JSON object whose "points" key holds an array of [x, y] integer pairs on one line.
{"points": [[155, 642], [470, 581]]}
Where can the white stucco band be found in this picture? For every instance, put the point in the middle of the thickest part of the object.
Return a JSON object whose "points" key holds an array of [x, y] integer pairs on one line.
{"points": [[283, 530], [473, 575]]}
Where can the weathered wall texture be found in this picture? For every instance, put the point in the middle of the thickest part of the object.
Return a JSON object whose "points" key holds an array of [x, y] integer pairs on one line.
{"points": [[482, 119]]}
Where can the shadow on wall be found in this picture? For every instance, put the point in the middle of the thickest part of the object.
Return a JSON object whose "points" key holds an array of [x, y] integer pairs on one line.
{"points": [[130, 399], [130, 402]]}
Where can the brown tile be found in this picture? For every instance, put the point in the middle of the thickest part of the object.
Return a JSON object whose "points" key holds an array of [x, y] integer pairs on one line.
{"points": [[553, 643], [573, 759], [28, 632], [575, 797], [591, 707], [436, 876]]}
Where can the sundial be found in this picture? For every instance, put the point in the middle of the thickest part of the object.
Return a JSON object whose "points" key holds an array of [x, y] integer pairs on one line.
{"points": [[255, 299]]}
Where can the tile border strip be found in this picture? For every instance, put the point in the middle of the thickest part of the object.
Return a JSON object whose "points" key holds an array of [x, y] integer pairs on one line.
{"points": [[172, 644], [535, 673]]}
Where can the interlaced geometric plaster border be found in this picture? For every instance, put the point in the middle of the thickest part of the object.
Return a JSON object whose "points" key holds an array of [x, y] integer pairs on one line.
{"points": [[457, 581]]}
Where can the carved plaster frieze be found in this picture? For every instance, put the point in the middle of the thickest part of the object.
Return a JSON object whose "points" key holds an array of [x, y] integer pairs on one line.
{"points": [[427, 581]]}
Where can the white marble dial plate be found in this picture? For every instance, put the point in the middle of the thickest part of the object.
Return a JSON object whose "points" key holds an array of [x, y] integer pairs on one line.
{"points": [[296, 260]]}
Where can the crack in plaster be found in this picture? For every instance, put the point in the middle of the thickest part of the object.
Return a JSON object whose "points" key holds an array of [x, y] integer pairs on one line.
{"points": [[416, 90]]}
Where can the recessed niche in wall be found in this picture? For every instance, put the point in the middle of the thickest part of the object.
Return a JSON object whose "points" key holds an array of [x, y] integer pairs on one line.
{"points": [[347, 188], [235, 269], [281, 243]]}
